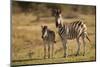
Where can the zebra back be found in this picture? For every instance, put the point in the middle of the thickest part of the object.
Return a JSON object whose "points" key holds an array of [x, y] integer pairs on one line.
{"points": [[72, 30], [48, 35]]}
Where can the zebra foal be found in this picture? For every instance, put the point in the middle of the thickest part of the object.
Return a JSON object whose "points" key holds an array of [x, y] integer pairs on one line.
{"points": [[70, 31], [48, 37]]}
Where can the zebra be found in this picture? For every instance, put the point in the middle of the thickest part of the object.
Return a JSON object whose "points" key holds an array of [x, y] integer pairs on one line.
{"points": [[70, 31], [48, 37]]}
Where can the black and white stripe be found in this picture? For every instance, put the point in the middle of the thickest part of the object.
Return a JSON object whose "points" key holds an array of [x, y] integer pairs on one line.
{"points": [[48, 37], [70, 31]]}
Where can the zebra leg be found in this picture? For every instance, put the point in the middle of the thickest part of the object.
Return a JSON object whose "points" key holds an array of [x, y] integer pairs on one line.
{"points": [[78, 47], [44, 51], [64, 46], [52, 49], [84, 43], [48, 50]]}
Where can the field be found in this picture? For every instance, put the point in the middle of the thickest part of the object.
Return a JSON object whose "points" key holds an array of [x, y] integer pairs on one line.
{"points": [[27, 44]]}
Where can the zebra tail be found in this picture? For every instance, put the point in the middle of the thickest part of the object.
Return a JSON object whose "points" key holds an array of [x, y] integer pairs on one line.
{"points": [[88, 38]]}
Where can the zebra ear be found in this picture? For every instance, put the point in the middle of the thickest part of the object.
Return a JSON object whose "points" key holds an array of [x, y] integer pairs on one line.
{"points": [[42, 26], [59, 10]]}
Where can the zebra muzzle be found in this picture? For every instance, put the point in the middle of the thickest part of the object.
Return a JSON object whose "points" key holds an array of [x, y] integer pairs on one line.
{"points": [[54, 41], [41, 36]]}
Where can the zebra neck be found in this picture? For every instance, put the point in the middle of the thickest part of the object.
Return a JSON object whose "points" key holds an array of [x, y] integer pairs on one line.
{"points": [[61, 29]]}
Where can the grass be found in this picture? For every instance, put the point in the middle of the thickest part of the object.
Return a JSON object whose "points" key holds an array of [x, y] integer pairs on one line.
{"points": [[26, 39]]}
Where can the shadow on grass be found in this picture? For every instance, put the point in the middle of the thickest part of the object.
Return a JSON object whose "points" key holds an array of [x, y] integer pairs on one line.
{"points": [[26, 60]]}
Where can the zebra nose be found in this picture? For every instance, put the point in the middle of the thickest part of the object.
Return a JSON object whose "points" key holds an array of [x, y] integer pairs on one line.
{"points": [[41, 36]]}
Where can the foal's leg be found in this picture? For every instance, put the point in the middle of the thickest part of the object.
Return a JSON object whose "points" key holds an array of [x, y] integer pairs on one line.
{"points": [[52, 49], [48, 50], [44, 51]]}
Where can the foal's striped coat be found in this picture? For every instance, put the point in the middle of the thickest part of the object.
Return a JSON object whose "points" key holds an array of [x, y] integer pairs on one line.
{"points": [[70, 31], [48, 37]]}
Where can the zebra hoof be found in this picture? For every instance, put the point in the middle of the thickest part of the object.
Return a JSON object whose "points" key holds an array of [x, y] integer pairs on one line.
{"points": [[64, 56], [77, 54], [83, 54], [49, 57], [44, 57]]}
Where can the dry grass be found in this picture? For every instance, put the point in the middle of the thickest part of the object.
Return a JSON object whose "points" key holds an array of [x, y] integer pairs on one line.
{"points": [[26, 38]]}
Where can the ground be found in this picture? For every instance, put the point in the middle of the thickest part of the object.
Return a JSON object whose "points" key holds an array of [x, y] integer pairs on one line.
{"points": [[26, 40]]}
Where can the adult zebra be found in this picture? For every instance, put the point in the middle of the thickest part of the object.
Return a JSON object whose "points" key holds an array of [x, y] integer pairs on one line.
{"points": [[70, 31], [48, 37]]}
